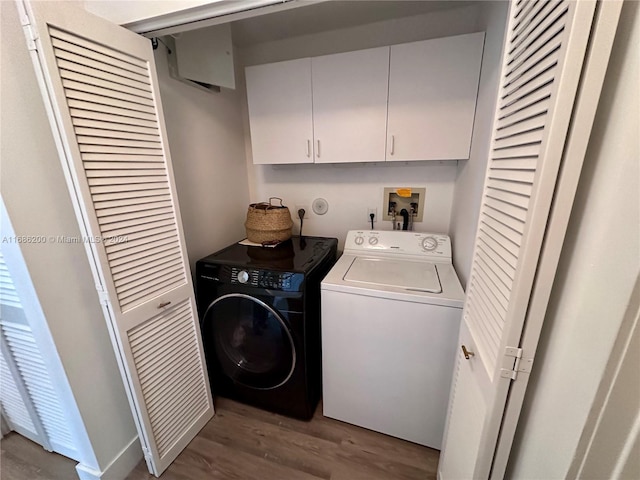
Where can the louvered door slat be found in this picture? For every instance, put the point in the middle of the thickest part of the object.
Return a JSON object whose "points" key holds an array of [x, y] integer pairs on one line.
{"points": [[116, 95], [505, 219], [99, 191], [142, 200], [112, 222], [85, 111], [8, 294], [130, 193], [151, 259], [146, 174], [130, 114], [34, 372], [157, 330], [94, 47], [91, 55], [68, 68], [522, 176], [12, 403], [145, 137], [141, 244], [506, 232], [102, 100], [549, 45], [116, 158], [520, 191], [120, 141], [140, 238], [132, 281], [139, 227], [523, 121], [508, 197], [507, 208], [523, 11], [90, 81], [142, 221], [133, 209], [538, 22], [118, 128], [81, 64], [525, 138]]}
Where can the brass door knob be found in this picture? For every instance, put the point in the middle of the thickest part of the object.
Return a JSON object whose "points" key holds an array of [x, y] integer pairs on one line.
{"points": [[467, 354]]}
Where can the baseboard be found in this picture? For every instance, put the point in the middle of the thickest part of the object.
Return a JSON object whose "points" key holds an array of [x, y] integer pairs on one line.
{"points": [[119, 467]]}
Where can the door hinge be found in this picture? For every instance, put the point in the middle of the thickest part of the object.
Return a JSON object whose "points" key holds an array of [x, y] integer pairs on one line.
{"points": [[147, 458], [102, 295], [519, 364], [30, 32]]}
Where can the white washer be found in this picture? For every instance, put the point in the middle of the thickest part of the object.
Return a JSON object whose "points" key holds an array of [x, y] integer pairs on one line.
{"points": [[391, 309]]}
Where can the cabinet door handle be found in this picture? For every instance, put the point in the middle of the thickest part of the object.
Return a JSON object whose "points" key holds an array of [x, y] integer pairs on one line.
{"points": [[164, 304], [393, 144], [308, 148], [318, 151]]}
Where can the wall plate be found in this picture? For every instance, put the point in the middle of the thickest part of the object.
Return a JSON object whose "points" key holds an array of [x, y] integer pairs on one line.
{"points": [[391, 195]]}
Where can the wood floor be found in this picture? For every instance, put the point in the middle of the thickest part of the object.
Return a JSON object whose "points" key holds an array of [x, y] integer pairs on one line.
{"points": [[246, 443]]}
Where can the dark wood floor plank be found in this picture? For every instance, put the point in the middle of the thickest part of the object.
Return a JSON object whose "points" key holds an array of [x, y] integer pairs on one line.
{"points": [[273, 442], [212, 460], [23, 459], [246, 443]]}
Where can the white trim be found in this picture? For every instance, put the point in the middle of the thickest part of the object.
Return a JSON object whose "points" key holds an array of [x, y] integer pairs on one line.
{"points": [[123, 463], [212, 14]]}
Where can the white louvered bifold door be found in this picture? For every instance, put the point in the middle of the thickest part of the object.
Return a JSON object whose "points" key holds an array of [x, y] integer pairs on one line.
{"points": [[543, 55], [100, 85]]}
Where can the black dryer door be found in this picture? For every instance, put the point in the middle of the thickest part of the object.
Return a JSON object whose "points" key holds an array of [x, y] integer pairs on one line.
{"points": [[252, 343]]}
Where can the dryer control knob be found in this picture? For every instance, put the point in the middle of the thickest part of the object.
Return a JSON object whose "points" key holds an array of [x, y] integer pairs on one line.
{"points": [[359, 240], [429, 244], [243, 276], [373, 240]]}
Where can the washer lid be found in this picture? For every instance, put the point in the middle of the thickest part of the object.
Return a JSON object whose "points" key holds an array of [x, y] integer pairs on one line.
{"points": [[419, 276]]}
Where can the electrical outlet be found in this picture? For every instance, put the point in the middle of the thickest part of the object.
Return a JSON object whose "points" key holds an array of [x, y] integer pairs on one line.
{"points": [[307, 211], [371, 210]]}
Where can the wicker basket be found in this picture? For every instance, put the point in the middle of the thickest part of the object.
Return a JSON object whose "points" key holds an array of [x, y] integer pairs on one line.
{"points": [[267, 223]]}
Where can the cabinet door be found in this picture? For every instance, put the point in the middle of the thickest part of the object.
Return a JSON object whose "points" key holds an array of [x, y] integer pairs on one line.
{"points": [[279, 99], [101, 91], [433, 86], [350, 106]]}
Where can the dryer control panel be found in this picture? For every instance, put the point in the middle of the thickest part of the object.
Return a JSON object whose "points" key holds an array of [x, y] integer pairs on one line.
{"points": [[425, 246]]}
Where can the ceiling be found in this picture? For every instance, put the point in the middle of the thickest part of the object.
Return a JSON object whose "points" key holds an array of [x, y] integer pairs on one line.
{"points": [[330, 15]]}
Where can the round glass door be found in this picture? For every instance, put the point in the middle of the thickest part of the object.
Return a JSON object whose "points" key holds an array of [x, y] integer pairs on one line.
{"points": [[251, 341]]}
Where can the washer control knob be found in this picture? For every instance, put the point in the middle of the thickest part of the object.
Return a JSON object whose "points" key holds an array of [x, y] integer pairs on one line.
{"points": [[359, 240], [373, 240], [243, 276], [429, 244]]}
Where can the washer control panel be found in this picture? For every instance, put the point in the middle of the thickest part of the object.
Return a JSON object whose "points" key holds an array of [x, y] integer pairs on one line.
{"points": [[251, 277], [428, 245]]}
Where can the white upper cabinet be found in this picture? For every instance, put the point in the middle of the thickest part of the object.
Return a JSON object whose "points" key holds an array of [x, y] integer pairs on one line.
{"points": [[350, 106], [279, 99], [433, 86], [414, 101]]}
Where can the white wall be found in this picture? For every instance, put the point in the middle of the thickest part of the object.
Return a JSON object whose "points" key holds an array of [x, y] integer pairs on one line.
{"points": [[471, 173], [38, 203], [127, 11], [206, 142], [351, 190], [599, 265]]}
